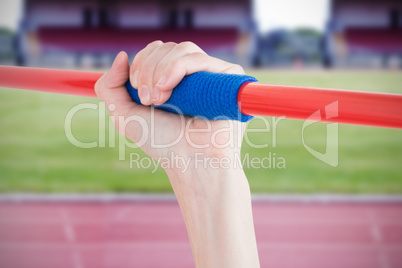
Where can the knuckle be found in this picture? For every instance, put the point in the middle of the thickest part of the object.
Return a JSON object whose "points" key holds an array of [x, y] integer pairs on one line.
{"points": [[139, 57], [154, 44], [170, 44], [169, 47], [187, 45], [174, 64], [198, 56], [237, 68]]}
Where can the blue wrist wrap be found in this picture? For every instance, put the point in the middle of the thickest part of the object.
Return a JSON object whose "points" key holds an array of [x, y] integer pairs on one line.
{"points": [[205, 95]]}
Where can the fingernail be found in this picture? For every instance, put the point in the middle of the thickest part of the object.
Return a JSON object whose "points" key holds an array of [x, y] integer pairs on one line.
{"points": [[134, 82], [161, 81], [155, 95], [144, 94]]}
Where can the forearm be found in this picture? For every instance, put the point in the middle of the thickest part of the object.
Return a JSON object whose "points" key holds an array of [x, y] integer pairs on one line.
{"points": [[215, 202], [216, 206]]}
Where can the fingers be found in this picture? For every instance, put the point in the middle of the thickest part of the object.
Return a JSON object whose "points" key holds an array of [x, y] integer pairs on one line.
{"points": [[147, 92], [138, 63], [138, 59], [175, 69], [158, 68]]}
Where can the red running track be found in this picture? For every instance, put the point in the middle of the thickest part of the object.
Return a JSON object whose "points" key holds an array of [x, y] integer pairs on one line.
{"points": [[152, 234]]}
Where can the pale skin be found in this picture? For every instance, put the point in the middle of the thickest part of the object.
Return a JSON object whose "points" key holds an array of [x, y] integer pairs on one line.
{"points": [[215, 202]]}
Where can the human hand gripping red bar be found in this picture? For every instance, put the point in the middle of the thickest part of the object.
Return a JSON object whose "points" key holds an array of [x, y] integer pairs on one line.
{"points": [[253, 98]]}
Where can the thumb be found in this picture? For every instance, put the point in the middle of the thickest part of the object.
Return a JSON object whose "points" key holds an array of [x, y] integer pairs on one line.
{"points": [[118, 74], [111, 89], [111, 86]]}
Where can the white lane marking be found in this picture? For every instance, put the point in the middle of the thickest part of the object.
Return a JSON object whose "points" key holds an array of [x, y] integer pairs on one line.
{"points": [[123, 213], [377, 236], [67, 227], [71, 239], [375, 230]]}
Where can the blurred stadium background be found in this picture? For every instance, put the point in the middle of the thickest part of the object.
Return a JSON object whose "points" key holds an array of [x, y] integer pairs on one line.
{"points": [[351, 44], [360, 40], [88, 34]]}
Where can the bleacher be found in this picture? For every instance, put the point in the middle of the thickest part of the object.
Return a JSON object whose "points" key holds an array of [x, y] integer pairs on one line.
{"points": [[100, 40], [379, 40]]}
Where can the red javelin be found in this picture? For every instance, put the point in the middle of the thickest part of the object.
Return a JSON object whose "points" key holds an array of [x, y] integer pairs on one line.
{"points": [[352, 107]]}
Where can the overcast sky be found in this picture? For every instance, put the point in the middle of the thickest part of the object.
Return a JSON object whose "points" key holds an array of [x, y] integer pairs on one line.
{"points": [[269, 14], [291, 14]]}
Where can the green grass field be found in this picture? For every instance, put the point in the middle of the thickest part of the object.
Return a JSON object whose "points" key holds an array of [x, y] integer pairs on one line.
{"points": [[35, 155]]}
